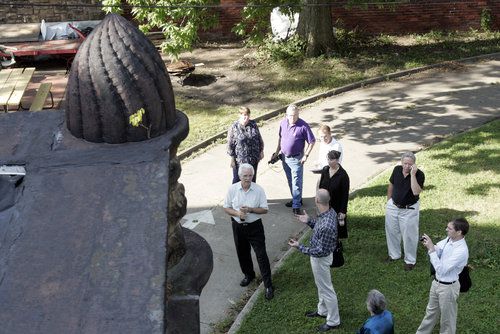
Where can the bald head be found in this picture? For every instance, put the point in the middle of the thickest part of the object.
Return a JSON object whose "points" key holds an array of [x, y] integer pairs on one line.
{"points": [[323, 197]]}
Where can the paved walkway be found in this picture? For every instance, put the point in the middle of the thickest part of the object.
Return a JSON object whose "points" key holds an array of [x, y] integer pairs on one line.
{"points": [[375, 124]]}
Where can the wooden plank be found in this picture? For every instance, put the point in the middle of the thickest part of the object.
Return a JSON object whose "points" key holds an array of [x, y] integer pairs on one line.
{"points": [[4, 75], [9, 85], [21, 84], [41, 96]]}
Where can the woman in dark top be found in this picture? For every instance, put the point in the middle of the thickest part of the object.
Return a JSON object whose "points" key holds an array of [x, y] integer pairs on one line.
{"points": [[244, 143], [334, 178]]}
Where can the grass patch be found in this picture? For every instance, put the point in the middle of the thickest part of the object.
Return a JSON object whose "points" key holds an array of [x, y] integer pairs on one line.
{"points": [[357, 58], [462, 179]]}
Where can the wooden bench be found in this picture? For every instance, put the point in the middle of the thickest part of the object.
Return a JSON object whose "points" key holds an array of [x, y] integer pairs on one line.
{"points": [[41, 96], [13, 83]]}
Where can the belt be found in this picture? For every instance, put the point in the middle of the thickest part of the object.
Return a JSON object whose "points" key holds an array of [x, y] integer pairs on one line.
{"points": [[408, 206], [445, 283], [292, 155], [243, 223]]}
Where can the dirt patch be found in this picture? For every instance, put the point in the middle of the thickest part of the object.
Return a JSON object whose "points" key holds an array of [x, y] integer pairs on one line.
{"points": [[223, 78]]}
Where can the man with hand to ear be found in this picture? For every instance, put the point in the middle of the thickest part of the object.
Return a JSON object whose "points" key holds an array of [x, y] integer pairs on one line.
{"points": [[403, 210]]}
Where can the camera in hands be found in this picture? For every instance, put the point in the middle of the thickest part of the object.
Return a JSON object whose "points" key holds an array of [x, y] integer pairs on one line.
{"points": [[274, 158]]}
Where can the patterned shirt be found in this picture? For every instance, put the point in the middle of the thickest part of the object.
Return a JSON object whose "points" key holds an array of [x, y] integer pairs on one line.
{"points": [[324, 238], [244, 143]]}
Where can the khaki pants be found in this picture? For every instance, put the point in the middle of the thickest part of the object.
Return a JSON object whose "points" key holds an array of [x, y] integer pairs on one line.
{"points": [[402, 224], [442, 301], [328, 304]]}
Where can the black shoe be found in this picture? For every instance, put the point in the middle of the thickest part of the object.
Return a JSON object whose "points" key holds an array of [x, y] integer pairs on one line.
{"points": [[269, 293], [325, 327], [314, 314], [409, 266], [290, 204], [296, 211], [390, 259], [246, 280]]}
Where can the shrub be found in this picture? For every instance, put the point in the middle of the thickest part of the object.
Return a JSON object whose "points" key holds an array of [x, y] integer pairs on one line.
{"points": [[486, 20], [289, 51]]}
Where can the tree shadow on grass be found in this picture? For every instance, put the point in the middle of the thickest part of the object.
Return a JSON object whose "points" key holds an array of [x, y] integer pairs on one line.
{"points": [[482, 189]]}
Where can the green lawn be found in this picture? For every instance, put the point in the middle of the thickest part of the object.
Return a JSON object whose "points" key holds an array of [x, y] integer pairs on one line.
{"points": [[462, 179], [357, 58]]}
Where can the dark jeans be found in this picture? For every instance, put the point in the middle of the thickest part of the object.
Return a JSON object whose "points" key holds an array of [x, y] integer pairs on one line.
{"points": [[236, 177], [252, 235]]}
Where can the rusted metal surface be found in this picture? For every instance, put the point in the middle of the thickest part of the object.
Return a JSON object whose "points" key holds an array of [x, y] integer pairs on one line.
{"points": [[83, 248]]}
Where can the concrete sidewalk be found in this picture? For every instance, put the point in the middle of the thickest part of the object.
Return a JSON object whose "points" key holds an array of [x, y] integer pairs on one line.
{"points": [[375, 125]]}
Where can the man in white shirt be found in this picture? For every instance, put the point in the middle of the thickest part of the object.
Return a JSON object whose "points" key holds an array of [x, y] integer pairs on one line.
{"points": [[326, 144], [448, 257], [245, 202]]}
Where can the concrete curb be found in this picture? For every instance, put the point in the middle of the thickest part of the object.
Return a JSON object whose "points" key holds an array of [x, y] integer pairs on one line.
{"points": [[336, 91]]}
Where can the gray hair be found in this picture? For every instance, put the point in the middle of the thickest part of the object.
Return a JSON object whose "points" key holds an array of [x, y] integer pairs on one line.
{"points": [[409, 155], [292, 108], [323, 197], [375, 302], [245, 166]]}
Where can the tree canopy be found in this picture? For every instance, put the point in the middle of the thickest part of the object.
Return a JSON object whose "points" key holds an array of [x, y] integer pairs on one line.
{"points": [[181, 20]]}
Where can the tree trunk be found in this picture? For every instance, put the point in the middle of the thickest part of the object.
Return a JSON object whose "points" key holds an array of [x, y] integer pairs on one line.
{"points": [[315, 28]]}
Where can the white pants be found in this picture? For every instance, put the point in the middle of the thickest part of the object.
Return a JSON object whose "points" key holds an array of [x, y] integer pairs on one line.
{"points": [[328, 304], [442, 301], [402, 223]]}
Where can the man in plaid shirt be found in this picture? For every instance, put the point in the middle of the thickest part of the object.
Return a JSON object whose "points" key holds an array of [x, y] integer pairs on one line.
{"points": [[322, 244]]}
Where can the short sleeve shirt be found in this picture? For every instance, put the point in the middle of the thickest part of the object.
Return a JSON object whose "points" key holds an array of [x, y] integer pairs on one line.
{"points": [[401, 191], [254, 197], [293, 137]]}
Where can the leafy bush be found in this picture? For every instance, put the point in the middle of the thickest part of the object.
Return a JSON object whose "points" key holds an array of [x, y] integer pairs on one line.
{"points": [[486, 20], [289, 51]]}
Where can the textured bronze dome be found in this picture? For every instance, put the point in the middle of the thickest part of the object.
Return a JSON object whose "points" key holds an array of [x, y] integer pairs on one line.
{"points": [[116, 72]]}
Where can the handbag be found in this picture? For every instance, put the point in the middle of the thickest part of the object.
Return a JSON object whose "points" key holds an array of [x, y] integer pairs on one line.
{"points": [[338, 256]]}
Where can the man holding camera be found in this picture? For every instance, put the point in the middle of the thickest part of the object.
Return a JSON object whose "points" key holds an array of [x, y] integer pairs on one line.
{"points": [[403, 210], [449, 257], [294, 133], [322, 244]]}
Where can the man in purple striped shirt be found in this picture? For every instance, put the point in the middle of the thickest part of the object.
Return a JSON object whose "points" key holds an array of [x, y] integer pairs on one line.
{"points": [[294, 133]]}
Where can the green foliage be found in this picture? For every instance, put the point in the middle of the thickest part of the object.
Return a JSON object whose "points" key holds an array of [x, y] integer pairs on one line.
{"points": [[179, 20], [288, 52], [462, 179], [136, 119], [486, 19]]}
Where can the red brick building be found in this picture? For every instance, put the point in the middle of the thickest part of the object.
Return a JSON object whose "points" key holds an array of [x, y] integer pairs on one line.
{"points": [[415, 16]]}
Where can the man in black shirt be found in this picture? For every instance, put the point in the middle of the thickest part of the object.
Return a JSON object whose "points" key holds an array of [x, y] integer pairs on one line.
{"points": [[402, 210]]}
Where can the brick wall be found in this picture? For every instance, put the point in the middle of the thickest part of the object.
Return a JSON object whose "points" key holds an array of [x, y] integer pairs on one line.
{"points": [[416, 16], [49, 10]]}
